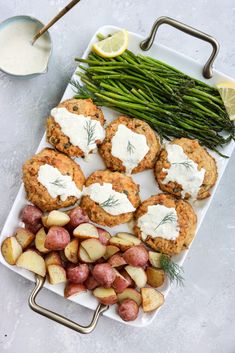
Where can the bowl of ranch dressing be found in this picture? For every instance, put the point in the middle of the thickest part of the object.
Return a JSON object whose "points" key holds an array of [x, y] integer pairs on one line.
{"points": [[18, 57]]}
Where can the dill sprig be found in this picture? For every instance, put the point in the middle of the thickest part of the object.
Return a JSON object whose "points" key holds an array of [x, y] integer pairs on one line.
{"points": [[59, 183], [81, 90], [90, 130], [110, 202], [186, 164], [130, 147], [169, 218], [172, 269]]}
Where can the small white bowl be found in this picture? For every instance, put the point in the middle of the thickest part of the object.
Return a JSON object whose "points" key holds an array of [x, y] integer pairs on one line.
{"points": [[12, 20]]}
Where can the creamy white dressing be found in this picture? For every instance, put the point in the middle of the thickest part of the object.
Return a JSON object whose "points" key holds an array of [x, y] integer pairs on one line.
{"points": [[159, 221], [129, 147], [17, 55], [56, 183], [183, 171], [112, 202], [81, 130]]}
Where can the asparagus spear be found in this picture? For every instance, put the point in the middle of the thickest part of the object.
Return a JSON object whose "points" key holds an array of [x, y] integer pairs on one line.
{"points": [[173, 103]]}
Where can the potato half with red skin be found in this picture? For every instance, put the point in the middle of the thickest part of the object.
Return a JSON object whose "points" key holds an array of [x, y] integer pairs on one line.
{"points": [[33, 228], [117, 260], [77, 216], [91, 283], [127, 277], [31, 215], [72, 289], [104, 274], [104, 236], [106, 296], [77, 274], [57, 238], [136, 256], [128, 310], [120, 283]]}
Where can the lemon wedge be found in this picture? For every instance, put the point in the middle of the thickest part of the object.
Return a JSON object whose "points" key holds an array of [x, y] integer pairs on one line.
{"points": [[112, 46], [227, 92]]}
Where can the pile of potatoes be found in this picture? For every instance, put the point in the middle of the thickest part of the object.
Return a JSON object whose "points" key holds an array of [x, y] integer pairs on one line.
{"points": [[66, 247]]}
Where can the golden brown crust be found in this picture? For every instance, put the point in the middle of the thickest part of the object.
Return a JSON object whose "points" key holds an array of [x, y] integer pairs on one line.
{"points": [[58, 139], [200, 156], [120, 183], [36, 192], [139, 127], [187, 221]]}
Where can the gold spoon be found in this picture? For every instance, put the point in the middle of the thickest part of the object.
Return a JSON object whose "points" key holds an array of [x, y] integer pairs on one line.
{"points": [[54, 20]]}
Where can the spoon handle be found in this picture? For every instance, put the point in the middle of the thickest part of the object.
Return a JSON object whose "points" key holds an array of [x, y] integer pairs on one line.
{"points": [[54, 20]]}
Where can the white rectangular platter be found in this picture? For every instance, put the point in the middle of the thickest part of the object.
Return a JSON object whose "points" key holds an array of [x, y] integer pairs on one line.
{"points": [[146, 179]]}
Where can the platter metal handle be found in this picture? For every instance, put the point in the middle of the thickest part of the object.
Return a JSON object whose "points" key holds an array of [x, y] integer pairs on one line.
{"points": [[59, 318], [148, 42]]}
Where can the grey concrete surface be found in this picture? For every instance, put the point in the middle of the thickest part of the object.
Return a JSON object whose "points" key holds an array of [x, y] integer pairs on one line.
{"points": [[197, 318]]}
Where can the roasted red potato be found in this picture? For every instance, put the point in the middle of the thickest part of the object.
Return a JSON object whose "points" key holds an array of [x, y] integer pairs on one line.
{"points": [[77, 216], [57, 218], [71, 251], [40, 241], [128, 310], [56, 274], [53, 258], [130, 293], [91, 283], [31, 215], [106, 296], [155, 276], [24, 237], [77, 274], [72, 289], [104, 274], [57, 238], [136, 256], [151, 299], [32, 261], [94, 248], [127, 277], [104, 236], [120, 283], [137, 274], [110, 251], [117, 260], [11, 250]]}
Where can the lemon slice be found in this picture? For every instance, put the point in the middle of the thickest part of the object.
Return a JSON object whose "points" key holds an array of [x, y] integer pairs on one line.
{"points": [[227, 92], [112, 46]]}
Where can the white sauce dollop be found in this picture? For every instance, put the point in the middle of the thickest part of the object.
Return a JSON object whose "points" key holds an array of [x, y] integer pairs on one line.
{"points": [[159, 221], [81, 130], [56, 183], [112, 202], [183, 171], [17, 55], [129, 147]]}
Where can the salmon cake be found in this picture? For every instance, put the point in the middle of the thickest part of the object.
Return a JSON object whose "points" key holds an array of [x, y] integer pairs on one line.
{"points": [[52, 180], [110, 198], [185, 169], [75, 127], [130, 146], [165, 224]]}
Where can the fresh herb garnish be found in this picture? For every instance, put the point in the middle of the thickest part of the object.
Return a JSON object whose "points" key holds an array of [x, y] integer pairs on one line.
{"points": [[90, 130], [110, 202], [187, 164], [172, 269], [59, 183], [169, 218], [130, 147]]}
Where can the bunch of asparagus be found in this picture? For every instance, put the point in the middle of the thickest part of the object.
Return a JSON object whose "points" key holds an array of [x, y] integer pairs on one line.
{"points": [[174, 104]]}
